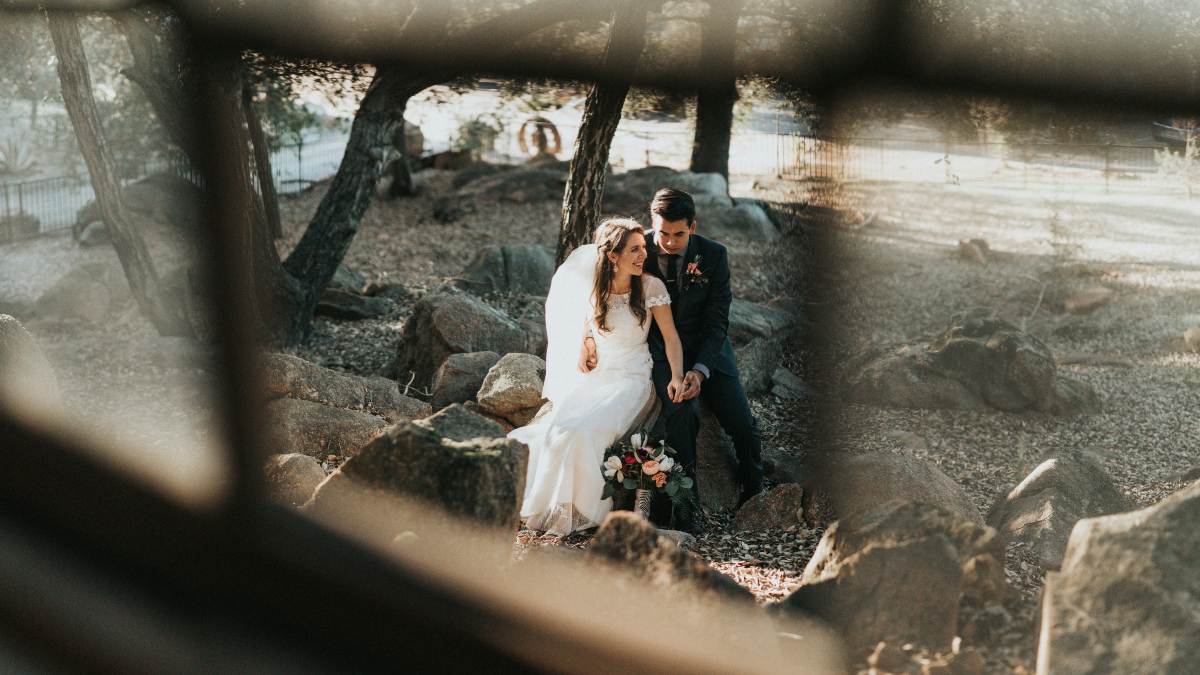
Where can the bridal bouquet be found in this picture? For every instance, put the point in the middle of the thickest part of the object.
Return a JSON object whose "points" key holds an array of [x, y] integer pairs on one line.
{"points": [[641, 466]]}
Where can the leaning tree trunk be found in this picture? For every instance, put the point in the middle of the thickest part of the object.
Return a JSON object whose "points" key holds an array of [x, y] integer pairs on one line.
{"points": [[159, 71], [601, 114], [262, 166], [714, 104], [169, 318], [332, 228]]}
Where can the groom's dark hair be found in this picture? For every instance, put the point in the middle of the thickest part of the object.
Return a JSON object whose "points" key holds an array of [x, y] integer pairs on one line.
{"points": [[672, 204]]}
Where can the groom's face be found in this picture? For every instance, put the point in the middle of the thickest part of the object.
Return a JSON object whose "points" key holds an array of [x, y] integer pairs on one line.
{"points": [[671, 236]]}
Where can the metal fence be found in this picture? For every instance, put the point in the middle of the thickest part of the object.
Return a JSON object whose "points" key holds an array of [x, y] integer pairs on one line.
{"points": [[51, 205], [850, 160]]}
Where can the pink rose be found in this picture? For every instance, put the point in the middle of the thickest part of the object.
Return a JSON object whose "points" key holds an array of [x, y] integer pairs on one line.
{"points": [[650, 468]]}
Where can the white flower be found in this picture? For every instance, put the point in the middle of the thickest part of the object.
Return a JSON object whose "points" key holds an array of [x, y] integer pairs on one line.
{"points": [[611, 466], [665, 464], [637, 439], [620, 476]]}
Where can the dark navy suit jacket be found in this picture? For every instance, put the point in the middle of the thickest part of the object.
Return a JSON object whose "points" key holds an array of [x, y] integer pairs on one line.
{"points": [[700, 309]]}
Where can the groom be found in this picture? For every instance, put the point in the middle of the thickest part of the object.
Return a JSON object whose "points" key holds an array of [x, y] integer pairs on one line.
{"points": [[696, 272]]}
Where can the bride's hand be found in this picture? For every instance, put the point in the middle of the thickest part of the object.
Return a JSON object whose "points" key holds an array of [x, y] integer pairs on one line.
{"points": [[675, 389], [587, 356]]}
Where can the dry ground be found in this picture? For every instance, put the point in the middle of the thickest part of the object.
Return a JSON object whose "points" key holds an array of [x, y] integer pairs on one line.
{"points": [[893, 275]]}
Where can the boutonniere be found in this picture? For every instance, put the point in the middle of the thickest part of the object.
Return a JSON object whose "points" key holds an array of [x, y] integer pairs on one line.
{"points": [[693, 273]]}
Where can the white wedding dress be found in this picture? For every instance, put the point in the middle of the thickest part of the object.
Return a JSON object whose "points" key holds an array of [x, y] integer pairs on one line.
{"points": [[566, 446]]}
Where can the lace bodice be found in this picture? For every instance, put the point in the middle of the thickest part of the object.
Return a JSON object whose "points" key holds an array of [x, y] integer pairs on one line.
{"points": [[624, 343]]}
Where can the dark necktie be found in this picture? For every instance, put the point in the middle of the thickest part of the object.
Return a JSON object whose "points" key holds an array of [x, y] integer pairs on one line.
{"points": [[673, 281]]}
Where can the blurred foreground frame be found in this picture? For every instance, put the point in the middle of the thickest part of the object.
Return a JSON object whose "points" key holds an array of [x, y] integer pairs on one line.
{"points": [[101, 572]]}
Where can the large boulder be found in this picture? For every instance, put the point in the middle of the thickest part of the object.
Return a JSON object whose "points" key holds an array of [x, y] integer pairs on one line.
{"points": [[900, 574], [448, 322], [290, 376], [902, 592], [629, 193], [480, 479], [89, 291], [749, 320], [716, 472], [524, 184], [1063, 488], [512, 268], [757, 362], [632, 542], [27, 379], [459, 377], [774, 510], [512, 388], [318, 430], [859, 484], [292, 478], [1127, 599], [456, 423], [980, 363], [744, 220]]}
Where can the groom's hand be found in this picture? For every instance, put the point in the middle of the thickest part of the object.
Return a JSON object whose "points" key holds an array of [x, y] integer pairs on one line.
{"points": [[691, 384]]}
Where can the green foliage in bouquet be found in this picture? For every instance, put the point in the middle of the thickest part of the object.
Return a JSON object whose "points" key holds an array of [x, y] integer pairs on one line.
{"points": [[637, 464]]}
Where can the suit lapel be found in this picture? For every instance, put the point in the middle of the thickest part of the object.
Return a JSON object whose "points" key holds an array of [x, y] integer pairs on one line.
{"points": [[688, 255]]}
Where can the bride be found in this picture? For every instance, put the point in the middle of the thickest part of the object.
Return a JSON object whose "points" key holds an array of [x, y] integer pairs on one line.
{"points": [[598, 294]]}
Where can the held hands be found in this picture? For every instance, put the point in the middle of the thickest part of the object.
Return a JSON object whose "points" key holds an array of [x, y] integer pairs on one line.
{"points": [[675, 389], [587, 356], [691, 385]]}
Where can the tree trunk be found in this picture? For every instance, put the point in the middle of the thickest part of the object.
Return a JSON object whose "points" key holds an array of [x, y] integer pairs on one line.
{"points": [[340, 212], [274, 294], [262, 165], [402, 178], [601, 114], [169, 318], [714, 105], [159, 72]]}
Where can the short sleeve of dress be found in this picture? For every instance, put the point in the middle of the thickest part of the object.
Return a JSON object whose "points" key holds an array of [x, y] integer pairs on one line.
{"points": [[655, 291]]}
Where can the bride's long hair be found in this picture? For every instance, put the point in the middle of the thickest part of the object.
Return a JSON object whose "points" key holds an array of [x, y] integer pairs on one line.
{"points": [[611, 237]]}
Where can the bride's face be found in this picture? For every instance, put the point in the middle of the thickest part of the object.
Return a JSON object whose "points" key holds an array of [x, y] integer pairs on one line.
{"points": [[630, 260]]}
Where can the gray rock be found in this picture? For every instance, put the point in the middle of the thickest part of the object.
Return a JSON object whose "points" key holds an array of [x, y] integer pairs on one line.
{"points": [[28, 381], [859, 484], [346, 279], [774, 510], [783, 466], [94, 234], [757, 362], [980, 363], [481, 480], [748, 321], [787, 385], [1127, 599], [716, 475], [744, 221], [1063, 488], [285, 375], [93, 292], [292, 478], [902, 592], [524, 184], [318, 430], [632, 542], [512, 388], [979, 549], [459, 377], [451, 322], [512, 268], [456, 423], [339, 304]]}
